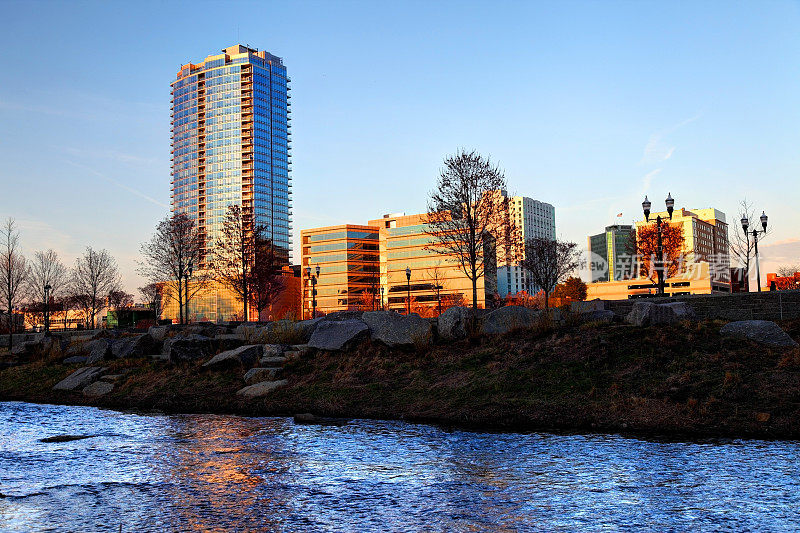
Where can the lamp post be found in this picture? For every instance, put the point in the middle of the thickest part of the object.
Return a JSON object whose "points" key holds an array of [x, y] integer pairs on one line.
{"points": [[408, 291], [313, 280], [660, 264], [382, 306], [186, 275], [755, 232], [47, 288]]}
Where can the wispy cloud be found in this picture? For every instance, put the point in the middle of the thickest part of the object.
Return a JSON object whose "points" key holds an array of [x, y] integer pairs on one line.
{"points": [[648, 179], [657, 148], [118, 184], [110, 154]]}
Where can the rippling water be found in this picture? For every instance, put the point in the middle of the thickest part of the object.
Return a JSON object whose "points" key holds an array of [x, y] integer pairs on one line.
{"points": [[226, 473]]}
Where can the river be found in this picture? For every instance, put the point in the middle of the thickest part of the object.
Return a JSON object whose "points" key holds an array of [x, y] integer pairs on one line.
{"points": [[153, 472]]}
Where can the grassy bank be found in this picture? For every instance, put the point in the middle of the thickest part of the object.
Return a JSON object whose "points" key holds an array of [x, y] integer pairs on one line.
{"points": [[679, 380]]}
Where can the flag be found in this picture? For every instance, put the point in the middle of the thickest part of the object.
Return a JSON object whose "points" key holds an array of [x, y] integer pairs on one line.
{"points": [[619, 215]]}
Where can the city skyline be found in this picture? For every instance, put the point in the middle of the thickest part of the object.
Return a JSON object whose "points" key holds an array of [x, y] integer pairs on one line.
{"points": [[591, 123]]}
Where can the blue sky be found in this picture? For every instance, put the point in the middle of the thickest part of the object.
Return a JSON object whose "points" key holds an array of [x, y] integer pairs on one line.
{"points": [[586, 105]]}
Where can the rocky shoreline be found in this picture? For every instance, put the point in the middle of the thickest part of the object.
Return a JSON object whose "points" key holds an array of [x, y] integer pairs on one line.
{"points": [[656, 370]]}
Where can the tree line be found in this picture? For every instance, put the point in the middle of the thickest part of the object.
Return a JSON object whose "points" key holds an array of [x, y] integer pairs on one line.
{"points": [[43, 282]]}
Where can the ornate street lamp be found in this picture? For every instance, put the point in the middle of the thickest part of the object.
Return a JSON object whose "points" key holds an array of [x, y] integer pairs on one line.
{"points": [[670, 203], [755, 233], [313, 280], [408, 286], [47, 288]]}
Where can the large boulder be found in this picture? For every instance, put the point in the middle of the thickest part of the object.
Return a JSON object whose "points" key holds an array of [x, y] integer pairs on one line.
{"points": [[394, 329], [452, 324], [245, 356], [598, 316], [761, 331], [337, 335], [343, 315], [136, 346], [80, 378], [228, 341], [651, 314], [98, 350], [159, 333], [259, 374], [305, 328], [188, 348], [25, 350], [98, 388], [508, 319], [260, 389]]}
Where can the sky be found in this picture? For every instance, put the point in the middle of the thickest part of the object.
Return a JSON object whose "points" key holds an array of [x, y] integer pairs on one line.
{"points": [[585, 105]]}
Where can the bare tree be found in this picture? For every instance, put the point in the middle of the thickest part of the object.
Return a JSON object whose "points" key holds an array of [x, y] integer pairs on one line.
{"points": [[170, 256], [742, 245], [787, 271], [436, 276], [47, 270], [267, 282], [94, 277], [152, 294], [234, 254], [13, 272], [468, 216], [549, 262], [119, 298]]}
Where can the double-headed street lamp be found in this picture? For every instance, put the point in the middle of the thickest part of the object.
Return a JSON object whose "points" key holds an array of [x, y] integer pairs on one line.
{"points": [[313, 280], [47, 288], [660, 265], [755, 232], [408, 287]]}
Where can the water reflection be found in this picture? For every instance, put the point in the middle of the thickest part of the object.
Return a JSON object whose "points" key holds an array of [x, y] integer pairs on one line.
{"points": [[222, 473]]}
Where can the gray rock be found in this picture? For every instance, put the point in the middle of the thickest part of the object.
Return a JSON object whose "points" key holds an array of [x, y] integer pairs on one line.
{"points": [[188, 348], [305, 328], [452, 324], [259, 375], [228, 341], [273, 360], [159, 333], [260, 389], [80, 378], [158, 356], [604, 316], [113, 378], [507, 319], [650, 314], [98, 388], [761, 331], [243, 356], [243, 330], [339, 316], [98, 349], [588, 306], [274, 350], [80, 359], [25, 350], [136, 346], [336, 335], [394, 329]]}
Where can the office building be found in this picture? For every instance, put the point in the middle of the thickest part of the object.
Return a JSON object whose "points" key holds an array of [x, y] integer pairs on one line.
{"points": [[230, 145], [364, 267], [610, 254], [534, 219]]}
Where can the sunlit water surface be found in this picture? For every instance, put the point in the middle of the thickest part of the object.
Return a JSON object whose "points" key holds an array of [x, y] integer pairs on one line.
{"points": [[226, 473]]}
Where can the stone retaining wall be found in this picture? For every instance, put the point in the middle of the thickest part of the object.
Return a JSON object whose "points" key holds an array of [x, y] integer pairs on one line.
{"points": [[775, 305]]}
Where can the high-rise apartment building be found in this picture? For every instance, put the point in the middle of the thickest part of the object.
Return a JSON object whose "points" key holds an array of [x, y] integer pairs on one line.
{"points": [[230, 146], [534, 219], [230, 142], [610, 254]]}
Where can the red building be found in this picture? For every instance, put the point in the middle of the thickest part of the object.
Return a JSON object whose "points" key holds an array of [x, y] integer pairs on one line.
{"points": [[783, 283]]}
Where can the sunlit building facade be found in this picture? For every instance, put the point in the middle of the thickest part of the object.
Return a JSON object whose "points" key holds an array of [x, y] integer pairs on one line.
{"points": [[364, 267], [230, 142], [610, 253], [533, 219], [230, 146]]}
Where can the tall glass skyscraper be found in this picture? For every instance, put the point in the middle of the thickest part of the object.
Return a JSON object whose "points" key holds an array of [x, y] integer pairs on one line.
{"points": [[230, 142]]}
